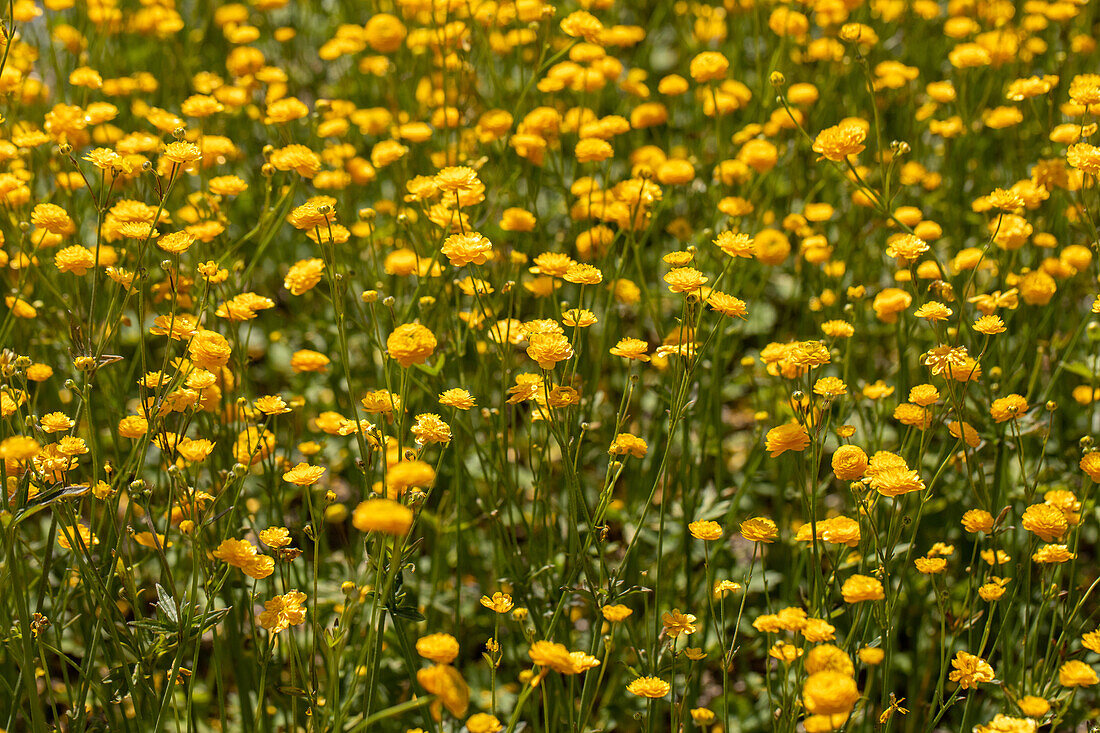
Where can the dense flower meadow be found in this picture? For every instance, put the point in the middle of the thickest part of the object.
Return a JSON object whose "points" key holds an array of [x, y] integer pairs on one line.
{"points": [[461, 366]]}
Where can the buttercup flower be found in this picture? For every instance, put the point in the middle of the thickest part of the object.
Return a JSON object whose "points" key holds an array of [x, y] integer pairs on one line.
{"points": [[860, 588], [411, 344], [282, 612], [840, 141], [789, 437], [382, 515], [651, 687], [970, 670]]}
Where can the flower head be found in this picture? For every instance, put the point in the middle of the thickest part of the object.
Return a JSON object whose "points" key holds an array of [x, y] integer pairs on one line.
{"points": [[304, 474], [651, 687], [282, 612], [411, 344], [1075, 673], [970, 670], [838, 142], [791, 436]]}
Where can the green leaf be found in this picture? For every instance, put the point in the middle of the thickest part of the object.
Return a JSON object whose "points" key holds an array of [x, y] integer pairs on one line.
{"points": [[292, 691], [157, 627], [391, 712], [1079, 368], [213, 618], [408, 612], [433, 370], [45, 498], [167, 605]]}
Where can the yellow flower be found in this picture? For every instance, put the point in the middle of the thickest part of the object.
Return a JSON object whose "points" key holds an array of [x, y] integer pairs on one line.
{"points": [[304, 475], [1053, 554], [209, 350], [859, 588], [831, 387], [242, 554], [451, 691], [52, 218], [791, 436], [282, 612], [829, 693], [438, 648], [582, 23], [78, 535], [1002, 723], [558, 658], [1085, 157], [736, 244], [1091, 641], [275, 537], [593, 150], [705, 530], [872, 655], [628, 444], [889, 302], [303, 275], [784, 652], [548, 349], [1008, 408], [182, 153], [271, 405], [895, 481], [759, 529], [651, 687], [1075, 673], [176, 242], [1045, 521], [1090, 464], [1032, 706], [728, 305], [409, 474], [970, 670], [631, 348], [702, 716], [817, 630], [297, 158], [483, 723], [468, 248], [933, 311], [457, 398], [906, 247], [685, 280], [722, 587], [306, 360], [616, 613], [498, 603], [930, 565], [977, 520], [849, 463], [838, 142], [411, 344], [708, 66], [75, 259], [382, 515], [677, 623], [430, 428]]}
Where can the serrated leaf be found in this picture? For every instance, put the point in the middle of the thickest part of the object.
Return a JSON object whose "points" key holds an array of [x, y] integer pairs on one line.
{"points": [[212, 619], [167, 605], [51, 496]]}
